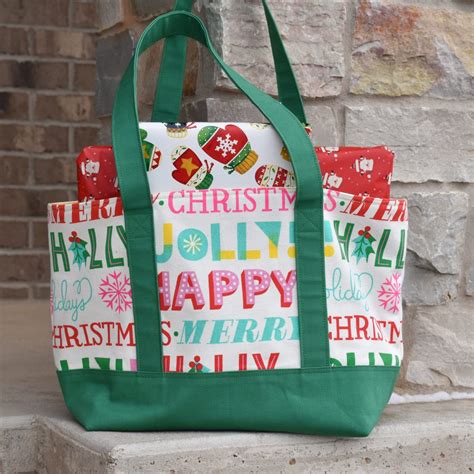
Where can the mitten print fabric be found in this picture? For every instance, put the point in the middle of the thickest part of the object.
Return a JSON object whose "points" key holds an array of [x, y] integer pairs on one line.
{"points": [[232, 155]]}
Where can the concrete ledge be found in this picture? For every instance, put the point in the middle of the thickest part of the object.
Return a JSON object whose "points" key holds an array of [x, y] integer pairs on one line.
{"points": [[37, 434], [410, 438]]}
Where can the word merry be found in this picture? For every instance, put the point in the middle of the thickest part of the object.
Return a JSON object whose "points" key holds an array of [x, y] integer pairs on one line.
{"points": [[222, 284], [231, 331], [390, 210], [84, 211], [359, 327]]}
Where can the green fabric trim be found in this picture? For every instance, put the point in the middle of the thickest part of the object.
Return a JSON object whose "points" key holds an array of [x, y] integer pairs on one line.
{"points": [[345, 401], [169, 88], [170, 82], [309, 239]]}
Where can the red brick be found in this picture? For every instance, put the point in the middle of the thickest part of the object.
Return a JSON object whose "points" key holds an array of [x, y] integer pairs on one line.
{"points": [[13, 105], [40, 234], [34, 75], [84, 14], [33, 138], [37, 12], [41, 292], [84, 77], [24, 268], [13, 234], [29, 202], [84, 136], [14, 40], [60, 170], [67, 44], [14, 170], [13, 292], [67, 108]]}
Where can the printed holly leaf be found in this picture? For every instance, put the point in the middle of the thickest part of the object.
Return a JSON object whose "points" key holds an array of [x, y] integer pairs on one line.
{"points": [[80, 253], [368, 251], [363, 245]]}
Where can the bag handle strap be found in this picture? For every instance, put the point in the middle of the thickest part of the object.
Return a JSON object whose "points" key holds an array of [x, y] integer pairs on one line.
{"points": [[169, 87], [138, 210]]}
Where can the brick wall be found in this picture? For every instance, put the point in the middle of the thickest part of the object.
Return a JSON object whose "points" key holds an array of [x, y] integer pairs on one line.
{"points": [[47, 114]]}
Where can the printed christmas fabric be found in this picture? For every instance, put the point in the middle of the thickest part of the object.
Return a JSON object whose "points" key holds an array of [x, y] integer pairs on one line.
{"points": [[226, 155], [227, 279]]}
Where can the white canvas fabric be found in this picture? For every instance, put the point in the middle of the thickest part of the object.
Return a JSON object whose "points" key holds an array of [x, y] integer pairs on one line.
{"points": [[227, 278]]}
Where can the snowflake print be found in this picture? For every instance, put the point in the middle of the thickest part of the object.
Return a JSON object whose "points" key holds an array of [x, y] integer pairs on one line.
{"points": [[226, 145], [115, 292], [390, 293], [193, 244]]}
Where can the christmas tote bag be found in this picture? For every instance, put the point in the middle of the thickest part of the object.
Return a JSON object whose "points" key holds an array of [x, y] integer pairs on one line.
{"points": [[257, 306]]}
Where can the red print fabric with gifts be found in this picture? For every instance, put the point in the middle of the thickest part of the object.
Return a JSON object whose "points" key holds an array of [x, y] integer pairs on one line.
{"points": [[96, 173], [354, 170]]}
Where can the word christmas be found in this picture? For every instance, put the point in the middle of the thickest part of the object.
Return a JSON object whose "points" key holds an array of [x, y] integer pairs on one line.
{"points": [[231, 201]]}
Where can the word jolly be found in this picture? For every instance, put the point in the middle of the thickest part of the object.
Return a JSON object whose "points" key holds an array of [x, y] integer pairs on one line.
{"points": [[194, 244]]}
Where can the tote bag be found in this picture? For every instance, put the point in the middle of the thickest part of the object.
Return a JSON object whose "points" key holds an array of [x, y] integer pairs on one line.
{"points": [[258, 308]]}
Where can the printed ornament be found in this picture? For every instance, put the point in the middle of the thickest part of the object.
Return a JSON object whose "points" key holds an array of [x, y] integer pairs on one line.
{"points": [[190, 170], [178, 129], [273, 176], [151, 154], [363, 245], [78, 249], [229, 146]]}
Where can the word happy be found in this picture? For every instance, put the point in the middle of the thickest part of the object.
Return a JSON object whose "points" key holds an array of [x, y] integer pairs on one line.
{"points": [[222, 284]]}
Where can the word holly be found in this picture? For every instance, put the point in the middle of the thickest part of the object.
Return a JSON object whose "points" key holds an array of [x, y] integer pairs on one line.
{"points": [[369, 358], [344, 232], [254, 361], [59, 251]]}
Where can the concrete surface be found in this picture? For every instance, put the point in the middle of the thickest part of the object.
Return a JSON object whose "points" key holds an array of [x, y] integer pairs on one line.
{"points": [[37, 434]]}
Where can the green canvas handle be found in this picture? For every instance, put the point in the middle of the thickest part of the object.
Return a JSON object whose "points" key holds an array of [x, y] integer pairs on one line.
{"points": [[169, 87], [138, 210]]}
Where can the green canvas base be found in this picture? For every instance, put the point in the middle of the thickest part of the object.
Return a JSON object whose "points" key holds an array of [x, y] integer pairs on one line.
{"points": [[340, 401]]}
